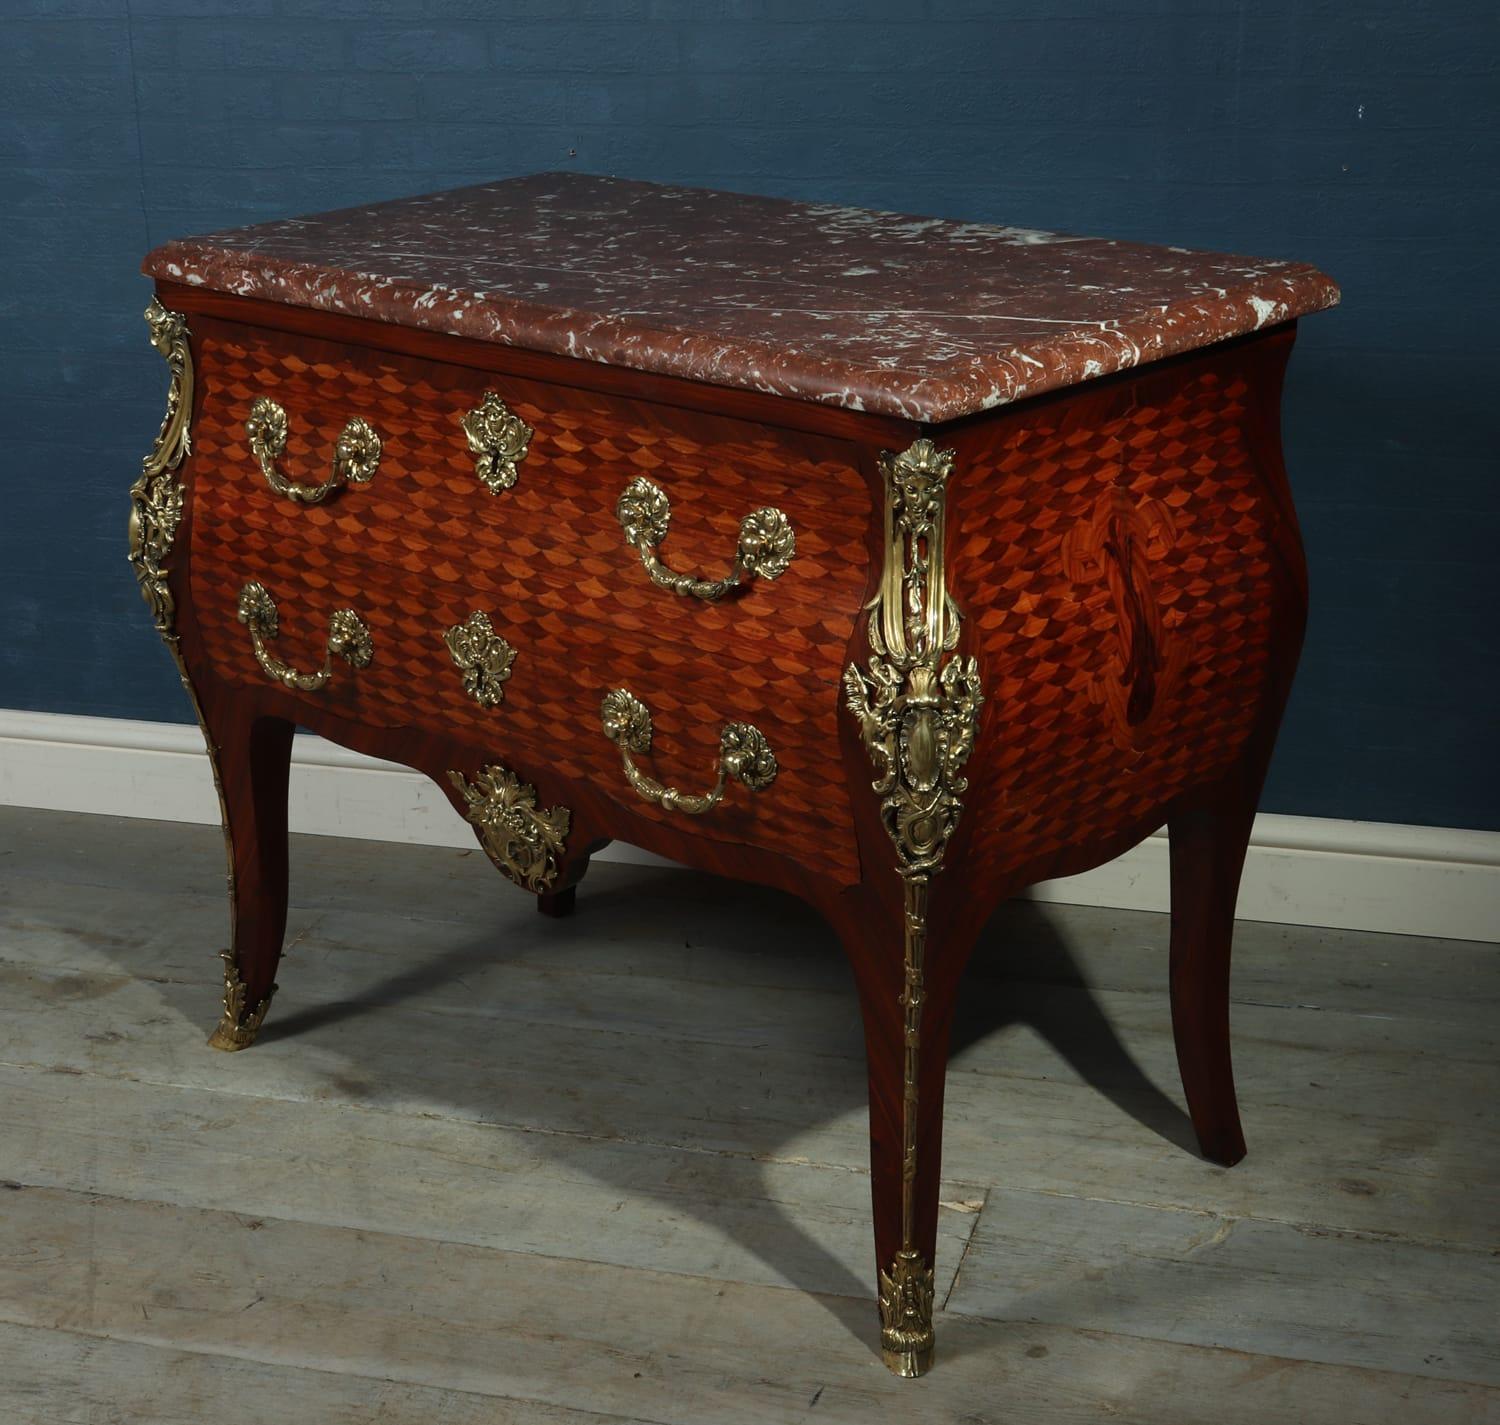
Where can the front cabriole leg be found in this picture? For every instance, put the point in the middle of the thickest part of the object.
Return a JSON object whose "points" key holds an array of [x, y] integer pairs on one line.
{"points": [[905, 1016], [253, 758], [249, 756], [157, 500], [918, 705]]}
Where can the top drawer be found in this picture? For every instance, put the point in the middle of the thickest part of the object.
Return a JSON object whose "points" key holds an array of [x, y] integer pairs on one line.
{"points": [[554, 534]]}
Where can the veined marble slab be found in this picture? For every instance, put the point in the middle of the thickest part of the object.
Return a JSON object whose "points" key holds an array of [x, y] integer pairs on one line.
{"points": [[905, 316]]}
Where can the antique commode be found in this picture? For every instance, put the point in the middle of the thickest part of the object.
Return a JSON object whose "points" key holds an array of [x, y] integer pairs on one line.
{"points": [[897, 563]]}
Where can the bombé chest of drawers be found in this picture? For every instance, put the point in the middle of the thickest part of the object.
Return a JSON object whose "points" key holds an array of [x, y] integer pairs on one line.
{"points": [[893, 562]]}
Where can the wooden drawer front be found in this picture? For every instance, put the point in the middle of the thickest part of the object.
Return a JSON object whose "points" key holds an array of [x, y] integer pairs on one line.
{"points": [[556, 528], [424, 545], [1091, 738]]}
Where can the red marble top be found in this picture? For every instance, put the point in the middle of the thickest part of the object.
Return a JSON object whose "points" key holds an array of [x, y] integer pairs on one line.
{"points": [[915, 317]]}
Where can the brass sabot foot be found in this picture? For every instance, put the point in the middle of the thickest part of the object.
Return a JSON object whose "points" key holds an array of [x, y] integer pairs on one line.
{"points": [[906, 1293], [240, 1024], [909, 1364], [230, 1036]]}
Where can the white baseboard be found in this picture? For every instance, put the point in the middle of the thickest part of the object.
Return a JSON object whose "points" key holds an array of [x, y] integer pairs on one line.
{"points": [[1351, 875]]}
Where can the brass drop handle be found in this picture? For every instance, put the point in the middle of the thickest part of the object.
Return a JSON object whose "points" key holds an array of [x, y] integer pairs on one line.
{"points": [[356, 453], [766, 545], [744, 756], [348, 638]]}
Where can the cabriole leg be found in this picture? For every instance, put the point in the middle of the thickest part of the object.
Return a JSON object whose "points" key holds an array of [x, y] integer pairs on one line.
{"points": [[1208, 845], [253, 757], [907, 1019], [1209, 833]]}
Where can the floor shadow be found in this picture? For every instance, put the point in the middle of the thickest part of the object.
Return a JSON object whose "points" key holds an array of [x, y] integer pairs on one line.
{"points": [[1054, 997], [785, 944], [449, 965], [715, 985]]}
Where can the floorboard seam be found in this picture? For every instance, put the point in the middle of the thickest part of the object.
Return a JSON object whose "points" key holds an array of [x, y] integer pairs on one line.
{"points": [[963, 1255], [188, 1348], [1124, 1335], [260, 1219], [801, 990], [302, 934], [743, 1155], [740, 1154], [1092, 1333], [1317, 1229]]}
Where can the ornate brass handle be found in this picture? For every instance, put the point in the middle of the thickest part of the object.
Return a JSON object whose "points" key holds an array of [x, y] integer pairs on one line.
{"points": [[498, 440], [766, 545], [347, 637], [744, 755], [356, 453]]}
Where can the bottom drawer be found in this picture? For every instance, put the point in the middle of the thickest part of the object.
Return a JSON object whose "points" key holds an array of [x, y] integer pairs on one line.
{"points": [[544, 694]]}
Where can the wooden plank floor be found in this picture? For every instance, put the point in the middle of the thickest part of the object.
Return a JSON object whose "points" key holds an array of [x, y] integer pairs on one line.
{"points": [[483, 1166]]}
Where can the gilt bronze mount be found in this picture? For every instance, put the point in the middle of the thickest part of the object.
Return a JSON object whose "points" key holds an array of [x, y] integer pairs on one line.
{"points": [[156, 498], [482, 657], [241, 1021], [918, 711], [498, 440], [525, 842]]}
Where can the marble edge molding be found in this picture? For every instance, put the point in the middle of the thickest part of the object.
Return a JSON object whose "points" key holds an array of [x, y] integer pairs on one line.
{"points": [[944, 391]]}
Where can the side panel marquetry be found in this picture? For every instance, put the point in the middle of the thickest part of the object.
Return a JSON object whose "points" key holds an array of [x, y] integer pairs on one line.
{"points": [[422, 548], [1114, 554]]}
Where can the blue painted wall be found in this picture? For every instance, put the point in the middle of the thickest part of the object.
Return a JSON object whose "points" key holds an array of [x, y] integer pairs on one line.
{"points": [[1360, 136]]}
